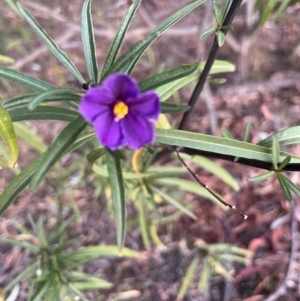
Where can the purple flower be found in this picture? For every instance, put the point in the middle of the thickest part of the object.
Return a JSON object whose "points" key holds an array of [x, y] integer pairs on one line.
{"points": [[120, 114]]}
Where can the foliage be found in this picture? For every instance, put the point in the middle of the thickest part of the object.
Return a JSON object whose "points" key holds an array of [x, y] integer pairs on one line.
{"points": [[128, 176]]}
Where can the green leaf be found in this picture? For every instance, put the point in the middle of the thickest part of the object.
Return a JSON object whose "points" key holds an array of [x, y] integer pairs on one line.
{"points": [[18, 184], [214, 169], [217, 13], [221, 38], [218, 145], [88, 41], [87, 254], [8, 135], [166, 77], [284, 163], [173, 202], [127, 61], [119, 37], [284, 186], [268, 9], [118, 194], [66, 138], [225, 8], [21, 243], [207, 33], [94, 155], [189, 186], [247, 131], [292, 186], [204, 280], [22, 101], [43, 113], [33, 140], [57, 94], [275, 154], [188, 278], [25, 80], [59, 54], [173, 108], [285, 137], [167, 90], [262, 176], [227, 134]]}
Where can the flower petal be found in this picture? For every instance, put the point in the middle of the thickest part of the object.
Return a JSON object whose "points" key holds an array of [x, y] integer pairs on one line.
{"points": [[109, 131], [146, 104], [121, 85], [137, 130], [95, 102]]}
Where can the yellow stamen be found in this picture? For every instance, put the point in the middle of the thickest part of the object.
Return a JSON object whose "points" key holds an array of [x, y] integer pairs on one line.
{"points": [[120, 110]]}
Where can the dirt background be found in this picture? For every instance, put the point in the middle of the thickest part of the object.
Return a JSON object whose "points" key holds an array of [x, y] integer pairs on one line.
{"points": [[264, 88]]}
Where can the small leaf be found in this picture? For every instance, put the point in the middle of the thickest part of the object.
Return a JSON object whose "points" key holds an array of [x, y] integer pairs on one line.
{"points": [[227, 134], [285, 137], [268, 9], [262, 176], [88, 41], [65, 139], [188, 278], [225, 8], [217, 13], [25, 80], [206, 274], [284, 163], [94, 155], [247, 131], [173, 108], [221, 38], [275, 154], [118, 195], [119, 37], [59, 54], [8, 135], [207, 33], [284, 186], [292, 186]]}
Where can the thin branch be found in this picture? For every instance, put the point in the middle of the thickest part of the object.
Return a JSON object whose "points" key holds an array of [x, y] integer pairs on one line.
{"points": [[211, 58]]}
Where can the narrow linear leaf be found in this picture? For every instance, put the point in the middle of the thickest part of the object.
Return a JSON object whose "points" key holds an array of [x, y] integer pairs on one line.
{"points": [[285, 137], [127, 61], [203, 283], [207, 33], [218, 145], [59, 54], [25, 80], [43, 113], [225, 8], [173, 108], [33, 140], [18, 184], [221, 38], [88, 41], [166, 77], [57, 94], [284, 186], [94, 155], [284, 163], [292, 186], [188, 278], [66, 138], [247, 131], [22, 101], [8, 135], [118, 195], [217, 13], [227, 134], [268, 9], [119, 37], [275, 153], [262, 176], [173, 202]]}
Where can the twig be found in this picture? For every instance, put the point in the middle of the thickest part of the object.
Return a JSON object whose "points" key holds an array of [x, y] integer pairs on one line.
{"points": [[282, 288], [211, 58]]}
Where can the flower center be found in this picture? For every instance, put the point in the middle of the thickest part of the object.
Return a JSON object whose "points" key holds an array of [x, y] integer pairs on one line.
{"points": [[120, 110]]}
